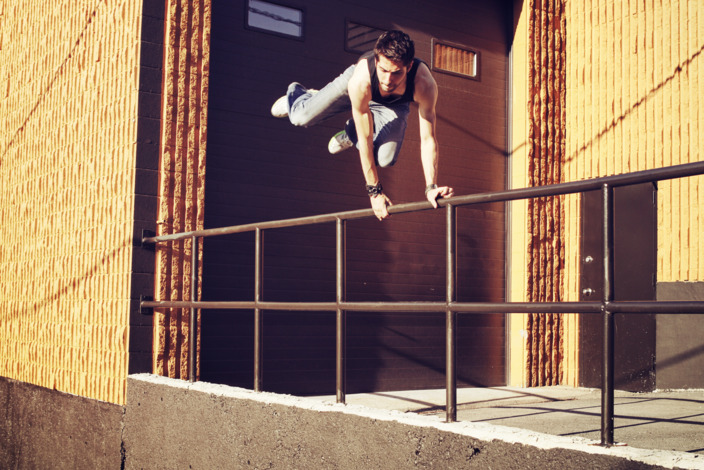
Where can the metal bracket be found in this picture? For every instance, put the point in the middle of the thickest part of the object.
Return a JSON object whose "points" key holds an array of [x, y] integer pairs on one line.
{"points": [[145, 310], [148, 234]]}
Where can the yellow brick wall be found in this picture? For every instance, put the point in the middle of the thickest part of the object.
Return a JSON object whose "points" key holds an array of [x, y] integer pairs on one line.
{"points": [[518, 238], [68, 105], [633, 103]]}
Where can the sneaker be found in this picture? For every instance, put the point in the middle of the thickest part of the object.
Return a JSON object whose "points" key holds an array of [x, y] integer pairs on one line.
{"points": [[280, 107], [339, 142]]}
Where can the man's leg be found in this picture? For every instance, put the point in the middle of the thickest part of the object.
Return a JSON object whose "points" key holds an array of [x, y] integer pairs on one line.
{"points": [[306, 108], [389, 130]]}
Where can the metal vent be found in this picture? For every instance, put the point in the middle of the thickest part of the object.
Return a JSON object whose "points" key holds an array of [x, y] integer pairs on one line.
{"points": [[455, 59], [360, 38]]}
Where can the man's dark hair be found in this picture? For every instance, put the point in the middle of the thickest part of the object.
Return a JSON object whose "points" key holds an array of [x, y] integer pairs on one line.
{"points": [[396, 46]]}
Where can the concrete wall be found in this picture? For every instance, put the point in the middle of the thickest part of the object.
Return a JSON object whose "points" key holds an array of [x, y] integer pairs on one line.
{"points": [[42, 428], [170, 423], [175, 424]]}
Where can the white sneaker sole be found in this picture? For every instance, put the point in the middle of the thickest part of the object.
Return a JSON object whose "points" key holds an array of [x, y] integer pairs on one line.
{"points": [[336, 146], [280, 108]]}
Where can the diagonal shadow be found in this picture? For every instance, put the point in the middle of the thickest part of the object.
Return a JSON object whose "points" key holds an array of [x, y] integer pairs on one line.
{"points": [[72, 287], [618, 121], [499, 150], [76, 282], [42, 96], [594, 411], [433, 407], [691, 353]]}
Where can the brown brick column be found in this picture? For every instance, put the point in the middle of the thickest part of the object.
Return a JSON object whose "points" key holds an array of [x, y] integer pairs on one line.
{"points": [[546, 151], [182, 172]]}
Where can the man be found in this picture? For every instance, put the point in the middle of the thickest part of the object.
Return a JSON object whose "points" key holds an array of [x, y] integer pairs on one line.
{"points": [[379, 89]]}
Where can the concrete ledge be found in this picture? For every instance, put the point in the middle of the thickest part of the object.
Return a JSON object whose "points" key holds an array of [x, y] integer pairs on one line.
{"points": [[175, 424], [43, 428]]}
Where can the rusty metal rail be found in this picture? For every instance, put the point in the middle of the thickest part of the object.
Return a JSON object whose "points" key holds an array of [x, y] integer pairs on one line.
{"points": [[607, 307]]}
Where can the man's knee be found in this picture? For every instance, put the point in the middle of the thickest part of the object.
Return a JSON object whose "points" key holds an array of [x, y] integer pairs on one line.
{"points": [[387, 154], [298, 110], [299, 118]]}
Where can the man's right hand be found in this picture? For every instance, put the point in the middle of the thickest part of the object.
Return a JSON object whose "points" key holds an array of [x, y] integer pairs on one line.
{"points": [[439, 192], [379, 204]]}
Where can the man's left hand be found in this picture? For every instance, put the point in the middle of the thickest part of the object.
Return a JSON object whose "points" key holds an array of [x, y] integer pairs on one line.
{"points": [[439, 192]]}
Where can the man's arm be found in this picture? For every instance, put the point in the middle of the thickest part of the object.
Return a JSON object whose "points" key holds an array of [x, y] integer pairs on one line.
{"points": [[426, 95], [360, 92]]}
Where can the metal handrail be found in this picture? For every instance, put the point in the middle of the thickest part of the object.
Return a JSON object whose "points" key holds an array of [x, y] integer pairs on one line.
{"points": [[558, 189], [607, 307]]}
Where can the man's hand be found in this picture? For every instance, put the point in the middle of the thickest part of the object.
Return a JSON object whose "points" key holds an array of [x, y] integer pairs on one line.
{"points": [[440, 192], [379, 203]]}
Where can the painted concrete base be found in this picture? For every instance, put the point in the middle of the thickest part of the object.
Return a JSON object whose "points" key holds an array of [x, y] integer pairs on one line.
{"points": [[42, 428], [172, 424], [175, 424], [680, 353]]}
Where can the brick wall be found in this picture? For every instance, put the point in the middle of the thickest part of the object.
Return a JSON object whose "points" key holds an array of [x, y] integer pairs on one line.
{"points": [[68, 102], [634, 103], [181, 173]]}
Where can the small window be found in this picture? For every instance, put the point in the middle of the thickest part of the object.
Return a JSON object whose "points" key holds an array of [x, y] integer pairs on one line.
{"points": [[360, 38], [455, 59], [274, 18]]}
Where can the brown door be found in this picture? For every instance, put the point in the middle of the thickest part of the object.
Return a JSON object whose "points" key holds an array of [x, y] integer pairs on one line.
{"points": [[635, 250], [262, 168]]}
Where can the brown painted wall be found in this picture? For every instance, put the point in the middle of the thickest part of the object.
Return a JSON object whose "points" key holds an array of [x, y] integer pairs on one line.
{"points": [[679, 351], [260, 168]]}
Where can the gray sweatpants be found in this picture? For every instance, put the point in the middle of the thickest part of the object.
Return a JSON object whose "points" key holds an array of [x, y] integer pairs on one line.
{"points": [[307, 109]]}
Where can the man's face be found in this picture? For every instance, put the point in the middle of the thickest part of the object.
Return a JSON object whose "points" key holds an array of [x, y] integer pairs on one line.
{"points": [[391, 74]]}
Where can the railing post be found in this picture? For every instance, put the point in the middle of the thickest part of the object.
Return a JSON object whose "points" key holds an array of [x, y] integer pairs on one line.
{"points": [[450, 320], [192, 334], [607, 388], [341, 318], [258, 321]]}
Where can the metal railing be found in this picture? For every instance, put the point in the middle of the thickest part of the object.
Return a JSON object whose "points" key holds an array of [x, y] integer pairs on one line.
{"points": [[607, 307]]}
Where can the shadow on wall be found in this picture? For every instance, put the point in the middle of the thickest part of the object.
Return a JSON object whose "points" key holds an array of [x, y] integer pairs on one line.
{"points": [[59, 72], [651, 94]]}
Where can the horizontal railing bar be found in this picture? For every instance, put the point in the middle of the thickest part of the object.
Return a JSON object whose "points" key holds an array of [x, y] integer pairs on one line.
{"points": [[309, 220], [658, 174], [478, 307], [637, 177], [662, 306], [673, 307], [460, 307]]}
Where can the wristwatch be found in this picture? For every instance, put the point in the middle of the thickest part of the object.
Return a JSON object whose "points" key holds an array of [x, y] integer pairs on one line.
{"points": [[430, 187]]}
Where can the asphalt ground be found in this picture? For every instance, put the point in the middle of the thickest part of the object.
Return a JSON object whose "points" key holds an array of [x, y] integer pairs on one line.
{"points": [[660, 420]]}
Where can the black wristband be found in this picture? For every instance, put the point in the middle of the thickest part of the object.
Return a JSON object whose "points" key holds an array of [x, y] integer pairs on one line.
{"points": [[374, 189], [430, 187]]}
